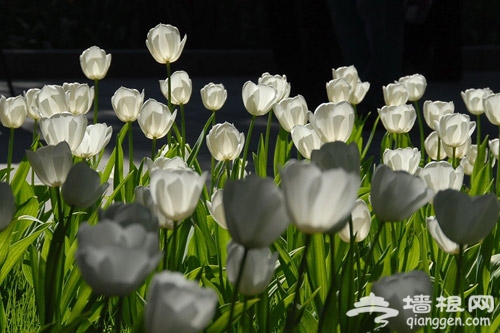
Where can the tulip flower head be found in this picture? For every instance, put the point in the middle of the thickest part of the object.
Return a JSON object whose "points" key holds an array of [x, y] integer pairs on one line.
{"points": [[82, 187], [258, 98], [348, 73], [95, 139], [64, 127], [279, 83], [361, 223], [225, 142], [216, 208], [127, 214], [333, 122], [257, 271], [155, 119], [338, 90], [337, 154], [165, 44], [51, 100], [395, 94], [358, 93], [405, 159], [175, 304], [460, 151], [79, 97], [13, 111], [213, 96], [305, 139], [31, 97], [180, 90], [51, 163], [494, 146], [398, 119], [396, 195], [469, 160], [127, 103], [164, 163], [7, 205], [415, 85], [437, 234], [454, 129], [95, 63], [474, 99], [433, 110], [143, 197], [431, 147], [492, 108], [441, 176], [291, 111]]}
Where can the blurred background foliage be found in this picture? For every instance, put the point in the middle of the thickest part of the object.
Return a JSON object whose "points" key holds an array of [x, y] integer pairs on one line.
{"points": [[123, 24]]}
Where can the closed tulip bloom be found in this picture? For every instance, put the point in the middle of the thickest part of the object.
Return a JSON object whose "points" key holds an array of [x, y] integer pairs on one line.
{"points": [[405, 159], [95, 63], [64, 127], [437, 234], [415, 85], [308, 190], [454, 129], [51, 100], [396, 195], [305, 139], [396, 289], [460, 151], [95, 139], [258, 98], [358, 93], [51, 163], [82, 187], [333, 122], [348, 73], [257, 272], [7, 205], [225, 142], [176, 192], [79, 97], [337, 154], [164, 43], [338, 90], [127, 214], [465, 219], [255, 211], [143, 197], [181, 87], [493, 144], [165, 163], [433, 110], [279, 83], [361, 223], [469, 160], [216, 208], [395, 94], [115, 260], [213, 96], [175, 304], [291, 111], [492, 108], [155, 119], [31, 97], [441, 176], [127, 103], [398, 119], [13, 111], [431, 147], [474, 98]]}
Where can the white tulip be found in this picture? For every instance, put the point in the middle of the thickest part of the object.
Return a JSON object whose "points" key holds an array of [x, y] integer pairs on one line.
{"points": [[64, 127], [95, 139], [180, 90], [95, 63], [164, 43], [155, 119], [127, 103], [333, 122]]}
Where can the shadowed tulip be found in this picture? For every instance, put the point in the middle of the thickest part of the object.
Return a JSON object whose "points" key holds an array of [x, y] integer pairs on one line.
{"points": [[82, 187], [361, 223], [337, 154], [51, 163], [474, 99]]}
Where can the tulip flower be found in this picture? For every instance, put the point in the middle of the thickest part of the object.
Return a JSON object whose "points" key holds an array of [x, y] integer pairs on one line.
{"points": [[431, 147], [469, 160], [399, 290], [175, 304], [181, 87], [291, 111], [433, 110], [348, 73], [82, 187], [454, 129], [358, 93], [333, 122], [95, 139], [396, 195], [225, 142], [338, 90], [305, 139], [405, 159], [31, 97], [492, 108], [460, 151], [143, 197], [130, 214], [308, 190], [493, 144], [164, 43], [337, 154], [279, 83], [213, 96], [95, 63], [216, 208], [255, 211], [415, 85], [7, 205], [51, 100], [361, 223], [441, 176], [176, 192], [464, 219], [51, 163], [395, 94], [13, 111], [127, 103], [398, 119], [442, 241], [114, 259], [257, 271], [155, 119], [474, 98], [79, 97], [164, 163], [64, 127], [258, 99]]}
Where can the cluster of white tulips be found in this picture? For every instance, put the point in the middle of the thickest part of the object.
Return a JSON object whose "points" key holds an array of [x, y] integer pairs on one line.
{"points": [[281, 239]]}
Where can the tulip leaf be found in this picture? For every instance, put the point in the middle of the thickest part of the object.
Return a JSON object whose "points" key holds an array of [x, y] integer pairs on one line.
{"points": [[19, 178], [196, 148], [220, 324], [281, 150], [317, 266], [260, 159]]}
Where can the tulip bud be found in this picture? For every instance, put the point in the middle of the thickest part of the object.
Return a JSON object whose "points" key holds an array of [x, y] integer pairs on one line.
{"points": [[79, 97], [398, 119], [7, 205], [469, 160], [279, 83], [130, 214], [415, 85], [127, 103], [305, 139], [431, 147], [13, 111], [164, 43], [225, 142], [31, 97], [338, 154], [291, 111], [143, 197], [155, 119], [51, 100], [358, 93], [175, 304], [64, 127], [216, 208], [405, 159], [396, 195], [95, 63], [333, 122], [442, 241], [454, 129], [474, 98], [492, 108], [213, 96], [348, 73], [338, 90], [361, 223], [395, 94], [258, 269], [433, 110], [82, 187], [494, 146], [51, 163], [441, 176], [95, 139], [258, 98], [180, 90]]}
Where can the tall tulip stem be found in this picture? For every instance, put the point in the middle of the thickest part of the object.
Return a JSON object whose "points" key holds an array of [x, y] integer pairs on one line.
{"points": [[459, 290], [96, 99], [330, 308], [478, 128], [267, 137], [153, 149], [421, 130], [169, 102], [130, 147], [498, 166], [183, 131], [236, 288], [247, 144], [374, 243], [9, 153], [173, 248]]}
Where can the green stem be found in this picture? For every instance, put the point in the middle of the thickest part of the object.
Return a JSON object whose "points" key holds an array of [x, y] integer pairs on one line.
{"points": [[119, 315], [173, 259], [370, 251], [96, 99], [331, 298], [164, 233], [228, 169], [478, 128], [247, 144], [183, 132], [153, 149], [9, 153], [439, 149], [370, 138], [459, 290], [453, 157], [267, 138], [236, 288], [421, 130], [130, 147], [169, 103], [498, 165]]}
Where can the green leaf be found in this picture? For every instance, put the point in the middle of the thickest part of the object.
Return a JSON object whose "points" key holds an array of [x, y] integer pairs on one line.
{"points": [[220, 324], [260, 159]]}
